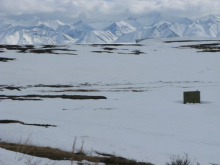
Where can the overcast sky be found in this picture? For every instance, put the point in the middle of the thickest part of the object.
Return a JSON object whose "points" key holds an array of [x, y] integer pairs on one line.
{"points": [[67, 10]]}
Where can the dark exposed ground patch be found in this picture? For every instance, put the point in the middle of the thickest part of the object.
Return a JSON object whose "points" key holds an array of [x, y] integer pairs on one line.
{"points": [[95, 45], [41, 51], [214, 47], [49, 49], [139, 90], [4, 59], [134, 52], [21, 99], [210, 50], [1, 51], [101, 52], [10, 47], [98, 90], [61, 49], [53, 46], [12, 88], [38, 97], [20, 49], [20, 122], [52, 86], [56, 154], [137, 52], [108, 48], [76, 90], [189, 41]]}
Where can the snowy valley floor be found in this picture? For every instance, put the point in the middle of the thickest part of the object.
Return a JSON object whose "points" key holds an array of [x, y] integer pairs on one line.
{"points": [[129, 99]]}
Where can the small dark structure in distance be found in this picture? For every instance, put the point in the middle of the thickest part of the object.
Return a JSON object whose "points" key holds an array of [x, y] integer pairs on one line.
{"points": [[191, 97]]}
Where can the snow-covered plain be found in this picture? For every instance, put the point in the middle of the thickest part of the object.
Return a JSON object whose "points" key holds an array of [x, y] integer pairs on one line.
{"points": [[143, 118]]}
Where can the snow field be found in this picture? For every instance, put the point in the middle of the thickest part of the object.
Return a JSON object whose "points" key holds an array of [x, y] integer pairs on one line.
{"points": [[143, 117]]}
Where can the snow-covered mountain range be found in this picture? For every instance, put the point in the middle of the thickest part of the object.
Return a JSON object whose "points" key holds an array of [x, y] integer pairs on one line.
{"points": [[34, 30]]}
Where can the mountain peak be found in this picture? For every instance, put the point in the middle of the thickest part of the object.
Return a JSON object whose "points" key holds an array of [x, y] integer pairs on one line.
{"points": [[209, 18], [83, 25], [151, 25], [131, 19], [120, 28], [79, 22]]}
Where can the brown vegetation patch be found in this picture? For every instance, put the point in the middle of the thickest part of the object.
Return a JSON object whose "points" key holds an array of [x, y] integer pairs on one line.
{"points": [[76, 90], [12, 88], [109, 48], [4, 59], [37, 97], [134, 52], [49, 49], [101, 52], [56, 154], [214, 47], [20, 122], [188, 41], [52, 46], [52, 86], [95, 45]]}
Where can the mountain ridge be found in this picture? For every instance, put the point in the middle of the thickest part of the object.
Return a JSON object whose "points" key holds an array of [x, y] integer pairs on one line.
{"points": [[34, 30]]}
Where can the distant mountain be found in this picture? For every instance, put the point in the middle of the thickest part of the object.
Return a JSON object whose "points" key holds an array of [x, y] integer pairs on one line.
{"points": [[134, 22], [98, 37], [100, 25], [27, 21], [162, 30], [208, 19], [34, 35], [120, 28], [155, 18], [83, 26], [34, 30]]}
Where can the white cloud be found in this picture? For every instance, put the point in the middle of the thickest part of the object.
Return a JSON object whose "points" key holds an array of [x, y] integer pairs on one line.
{"points": [[109, 8]]}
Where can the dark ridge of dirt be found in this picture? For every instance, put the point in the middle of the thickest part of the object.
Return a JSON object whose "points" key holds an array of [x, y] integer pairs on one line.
{"points": [[61, 49], [73, 54], [211, 51], [57, 154], [21, 99], [30, 46], [95, 45], [12, 88], [76, 90], [41, 51], [52, 46], [101, 52], [103, 154], [189, 41], [20, 49], [20, 122], [52, 86], [30, 97], [51, 51], [214, 47], [139, 90], [108, 48], [10, 47], [4, 59], [31, 49], [135, 52]]}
